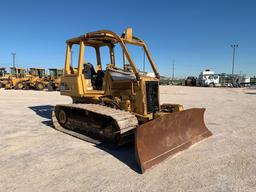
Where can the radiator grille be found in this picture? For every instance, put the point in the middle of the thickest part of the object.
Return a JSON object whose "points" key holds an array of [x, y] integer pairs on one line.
{"points": [[152, 96]]}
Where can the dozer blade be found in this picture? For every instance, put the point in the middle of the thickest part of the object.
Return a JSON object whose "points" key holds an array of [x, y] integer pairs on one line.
{"points": [[165, 136]]}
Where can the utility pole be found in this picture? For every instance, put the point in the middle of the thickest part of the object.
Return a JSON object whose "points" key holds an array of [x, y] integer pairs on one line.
{"points": [[13, 59], [173, 62], [234, 46]]}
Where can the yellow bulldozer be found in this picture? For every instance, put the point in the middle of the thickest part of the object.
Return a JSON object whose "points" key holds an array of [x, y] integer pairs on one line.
{"points": [[16, 78], [118, 105], [54, 79], [3, 77]]}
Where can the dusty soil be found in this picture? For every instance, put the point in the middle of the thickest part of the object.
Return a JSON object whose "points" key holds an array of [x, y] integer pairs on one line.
{"points": [[35, 157]]}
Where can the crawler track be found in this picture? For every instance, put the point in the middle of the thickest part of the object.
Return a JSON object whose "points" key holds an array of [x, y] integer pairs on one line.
{"points": [[95, 123]]}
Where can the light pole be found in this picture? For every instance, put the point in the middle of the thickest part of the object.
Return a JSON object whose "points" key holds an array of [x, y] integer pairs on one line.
{"points": [[13, 59], [173, 62], [234, 46]]}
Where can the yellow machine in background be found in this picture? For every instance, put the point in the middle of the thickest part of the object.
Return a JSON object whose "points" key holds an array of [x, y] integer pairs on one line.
{"points": [[54, 79], [38, 79], [34, 78], [117, 105], [3, 77], [16, 78]]}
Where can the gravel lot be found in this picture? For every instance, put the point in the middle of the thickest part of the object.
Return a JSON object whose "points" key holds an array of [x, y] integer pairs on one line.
{"points": [[35, 157]]}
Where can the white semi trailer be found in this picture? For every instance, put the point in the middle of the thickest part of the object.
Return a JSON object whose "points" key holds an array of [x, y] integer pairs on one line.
{"points": [[208, 78]]}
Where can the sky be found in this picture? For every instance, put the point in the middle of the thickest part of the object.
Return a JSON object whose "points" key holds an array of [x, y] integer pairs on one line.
{"points": [[195, 34]]}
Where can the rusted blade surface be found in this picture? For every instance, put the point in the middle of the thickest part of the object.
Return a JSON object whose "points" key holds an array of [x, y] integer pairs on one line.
{"points": [[169, 134]]}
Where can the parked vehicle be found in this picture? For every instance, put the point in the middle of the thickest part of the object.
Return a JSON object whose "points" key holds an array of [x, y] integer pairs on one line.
{"points": [[3, 77], [38, 79], [204, 75], [212, 81], [229, 80], [16, 78], [113, 106], [54, 79], [190, 81]]}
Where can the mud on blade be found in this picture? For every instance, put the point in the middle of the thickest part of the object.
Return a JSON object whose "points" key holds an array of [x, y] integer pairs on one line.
{"points": [[169, 134]]}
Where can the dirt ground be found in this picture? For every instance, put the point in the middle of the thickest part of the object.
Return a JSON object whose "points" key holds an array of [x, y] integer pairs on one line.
{"points": [[35, 157]]}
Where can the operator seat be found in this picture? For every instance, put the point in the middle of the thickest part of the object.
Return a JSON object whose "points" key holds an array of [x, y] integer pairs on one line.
{"points": [[96, 78]]}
